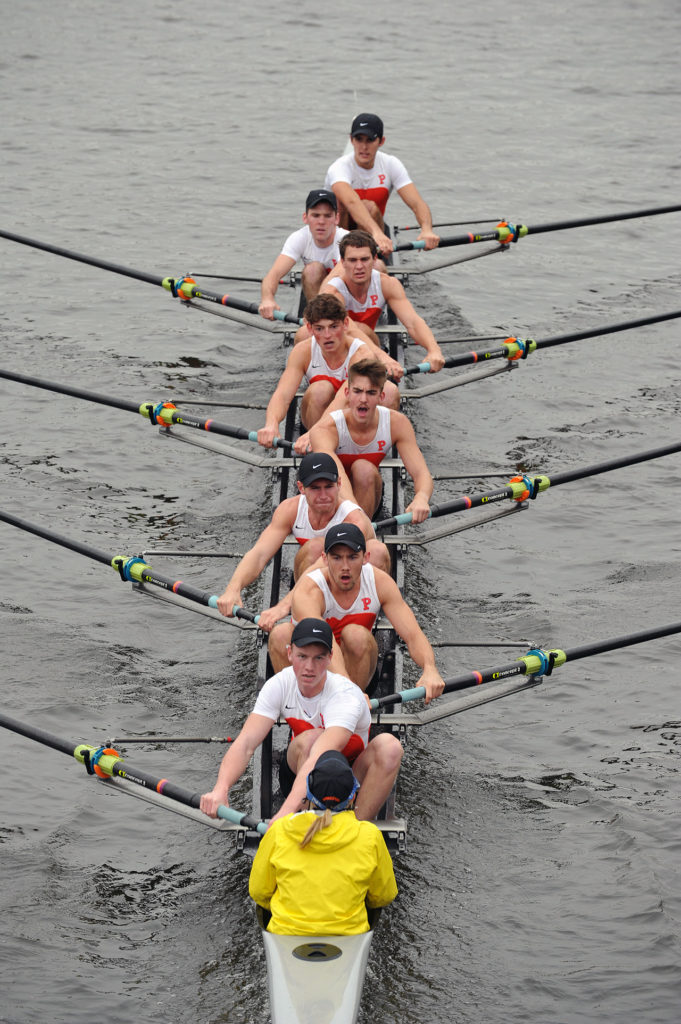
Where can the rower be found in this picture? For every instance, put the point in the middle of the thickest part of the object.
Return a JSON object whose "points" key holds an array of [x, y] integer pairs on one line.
{"points": [[307, 516], [348, 593], [319, 870], [362, 434], [363, 180], [365, 292], [324, 711], [322, 361], [315, 245]]}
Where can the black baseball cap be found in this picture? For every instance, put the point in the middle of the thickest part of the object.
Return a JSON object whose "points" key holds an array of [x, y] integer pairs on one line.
{"points": [[331, 784], [317, 466], [321, 195], [345, 533], [312, 631], [367, 124]]}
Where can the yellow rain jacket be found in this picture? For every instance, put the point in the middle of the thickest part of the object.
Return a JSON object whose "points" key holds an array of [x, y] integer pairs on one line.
{"points": [[321, 890]]}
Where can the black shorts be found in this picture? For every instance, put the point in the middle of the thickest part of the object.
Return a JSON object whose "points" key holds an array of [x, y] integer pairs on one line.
{"points": [[286, 776]]}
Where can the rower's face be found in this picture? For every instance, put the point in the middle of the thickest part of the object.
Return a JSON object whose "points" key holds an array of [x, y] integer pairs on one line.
{"points": [[358, 264], [329, 333], [322, 221], [363, 397], [322, 495], [345, 567], [365, 149], [310, 665]]}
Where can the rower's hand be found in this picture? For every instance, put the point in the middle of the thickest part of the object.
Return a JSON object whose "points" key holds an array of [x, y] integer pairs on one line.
{"points": [[302, 445], [436, 360], [211, 801], [227, 600], [267, 308], [395, 370], [271, 616], [419, 509], [430, 238], [266, 436], [433, 682], [384, 243]]}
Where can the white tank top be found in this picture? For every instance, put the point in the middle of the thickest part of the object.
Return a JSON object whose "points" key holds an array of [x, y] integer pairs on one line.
{"points": [[364, 608], [319, 369], [375, 451], [302, 530]]}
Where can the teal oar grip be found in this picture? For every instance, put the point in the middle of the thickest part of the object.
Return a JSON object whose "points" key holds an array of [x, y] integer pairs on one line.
{"points": [[422, 367], [278, 315], [236, 818]]}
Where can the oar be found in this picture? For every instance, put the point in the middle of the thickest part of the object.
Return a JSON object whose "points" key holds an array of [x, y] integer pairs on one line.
{"points": [[519, 348], [535, 662], [506, 233], [522, 487], [129, 568], [106, 763], [181, 287], [164, 414]]}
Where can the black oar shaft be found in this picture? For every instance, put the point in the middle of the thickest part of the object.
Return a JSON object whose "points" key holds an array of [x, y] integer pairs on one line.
{"points": [[147, 409], [67, 389], [92, 261], [627, 325], [122, 770], [581, 473], [602, 646], [535, 662], [544, 482], [140, 275], [56, 538], [563, 225]]}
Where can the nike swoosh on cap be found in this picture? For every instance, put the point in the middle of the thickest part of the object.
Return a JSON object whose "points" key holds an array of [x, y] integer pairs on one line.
{"points": [[317, 466], [317, 630]]}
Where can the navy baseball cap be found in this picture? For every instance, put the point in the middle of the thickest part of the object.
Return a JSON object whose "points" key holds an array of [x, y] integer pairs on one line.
{"points": [[321, 195], [345, 533], [312, 631], [331, 784], [367, 124]]}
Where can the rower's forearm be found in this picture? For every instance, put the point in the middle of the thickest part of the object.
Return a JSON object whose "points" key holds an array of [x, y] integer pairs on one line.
{"points": [[268, 287], [423, 336], [233, 766]]}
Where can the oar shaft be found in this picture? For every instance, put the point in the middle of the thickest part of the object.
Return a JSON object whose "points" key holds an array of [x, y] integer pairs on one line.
{"points": [[67, 389], [56, 538], [187, 291], [120, 769], [138, 570], [168, 416], [616, 643], [627, 325], [563, 225], [92, 261], [581, 473], [505, 351], [533, 663]]}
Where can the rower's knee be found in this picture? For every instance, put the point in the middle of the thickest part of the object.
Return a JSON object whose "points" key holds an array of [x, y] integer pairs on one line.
{"points": [[356, 640], [392, 395], [388, 752], [279, 639], [302, 334], [310, 552], [312, 277], [379, 556]]}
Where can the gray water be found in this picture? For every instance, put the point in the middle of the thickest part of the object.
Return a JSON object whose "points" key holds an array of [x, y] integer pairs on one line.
{"points": [[541, 879]]}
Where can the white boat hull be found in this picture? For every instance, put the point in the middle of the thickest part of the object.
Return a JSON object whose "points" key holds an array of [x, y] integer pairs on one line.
{"points": [[316, 979]]}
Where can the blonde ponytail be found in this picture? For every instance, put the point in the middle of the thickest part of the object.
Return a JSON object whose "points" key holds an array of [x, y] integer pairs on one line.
{"points": [[321, 821]]}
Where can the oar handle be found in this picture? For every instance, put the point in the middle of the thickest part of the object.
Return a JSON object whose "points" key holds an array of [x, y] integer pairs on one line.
{"points": [[243, 613]]}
